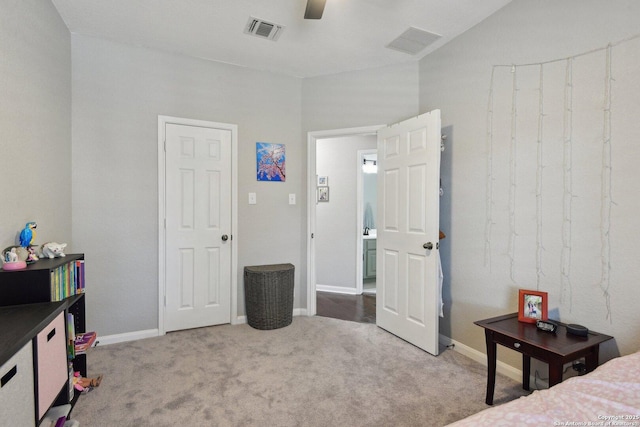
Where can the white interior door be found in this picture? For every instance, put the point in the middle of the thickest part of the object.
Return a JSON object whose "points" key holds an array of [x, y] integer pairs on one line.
{"points": [[198, 227], [408, 230]]}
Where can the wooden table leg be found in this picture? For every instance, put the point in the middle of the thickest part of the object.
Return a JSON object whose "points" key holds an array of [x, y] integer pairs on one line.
{"points": [[526, 371], [555, 373], [491, 366], [591, 358]]}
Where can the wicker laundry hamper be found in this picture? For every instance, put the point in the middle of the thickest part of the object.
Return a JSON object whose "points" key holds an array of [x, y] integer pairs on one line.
{"points": [[268, 295]]}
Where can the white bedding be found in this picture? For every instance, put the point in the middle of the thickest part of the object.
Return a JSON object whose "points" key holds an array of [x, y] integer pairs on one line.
{"points": [[608, 396]]}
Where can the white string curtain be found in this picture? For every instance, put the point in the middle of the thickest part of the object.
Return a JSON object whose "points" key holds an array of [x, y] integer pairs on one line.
{"points": [[549, 195]]}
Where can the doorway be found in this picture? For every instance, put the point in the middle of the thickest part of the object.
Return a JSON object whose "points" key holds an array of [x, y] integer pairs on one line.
{"points": [[367, 210], [350, 283], [407, 248], [197, 180]]}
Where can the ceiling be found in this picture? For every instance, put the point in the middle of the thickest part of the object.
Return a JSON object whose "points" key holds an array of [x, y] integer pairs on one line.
{"points": [[351, 35]]}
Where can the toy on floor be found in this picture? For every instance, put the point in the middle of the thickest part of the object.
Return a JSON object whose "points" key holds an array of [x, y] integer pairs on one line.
{"points": [[85, 385]]}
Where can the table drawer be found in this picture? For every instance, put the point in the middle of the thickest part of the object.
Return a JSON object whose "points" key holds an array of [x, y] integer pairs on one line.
{"points": [[515, 344], [51, 366]]}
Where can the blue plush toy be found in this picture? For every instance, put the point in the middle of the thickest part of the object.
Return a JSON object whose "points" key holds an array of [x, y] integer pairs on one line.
{"points": [[28, 234]]}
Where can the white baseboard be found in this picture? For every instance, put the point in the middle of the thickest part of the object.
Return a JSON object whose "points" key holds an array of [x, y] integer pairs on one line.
{"points": [[472, 353], [150, 333], [127, 336], [336, 289]]}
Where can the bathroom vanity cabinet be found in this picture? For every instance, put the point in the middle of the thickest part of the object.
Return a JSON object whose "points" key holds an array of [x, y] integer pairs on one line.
{"points": [[369, 251]]}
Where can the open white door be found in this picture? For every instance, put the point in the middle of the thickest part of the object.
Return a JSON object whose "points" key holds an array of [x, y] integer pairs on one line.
{"points": [[408, 300]]}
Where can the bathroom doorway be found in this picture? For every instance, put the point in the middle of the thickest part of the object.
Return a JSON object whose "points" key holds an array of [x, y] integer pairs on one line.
{"points": [[367, 188]]}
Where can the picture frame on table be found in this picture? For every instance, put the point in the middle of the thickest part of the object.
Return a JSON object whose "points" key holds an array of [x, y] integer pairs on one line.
{"points": [[532, 306]]}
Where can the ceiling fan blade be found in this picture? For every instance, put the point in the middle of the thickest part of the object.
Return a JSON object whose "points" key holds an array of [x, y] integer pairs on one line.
{"points": [[314, 9]]}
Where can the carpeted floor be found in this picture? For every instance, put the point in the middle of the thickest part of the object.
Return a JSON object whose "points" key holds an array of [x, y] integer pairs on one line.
{"points": [[315, 372]]}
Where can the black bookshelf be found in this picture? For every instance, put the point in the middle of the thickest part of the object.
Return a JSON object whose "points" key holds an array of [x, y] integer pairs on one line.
{"points": [[33, 286]]}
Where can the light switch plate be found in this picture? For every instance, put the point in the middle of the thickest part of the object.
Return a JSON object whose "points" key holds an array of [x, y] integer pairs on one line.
{"points": [[252, 198], [292, 198]]}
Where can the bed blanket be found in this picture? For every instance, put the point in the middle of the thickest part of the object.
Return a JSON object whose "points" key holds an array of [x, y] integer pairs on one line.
{"points": [[608, 396]]}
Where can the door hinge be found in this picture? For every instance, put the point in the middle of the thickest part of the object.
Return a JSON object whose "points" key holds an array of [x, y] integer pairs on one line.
{"points": [[165, 300]]}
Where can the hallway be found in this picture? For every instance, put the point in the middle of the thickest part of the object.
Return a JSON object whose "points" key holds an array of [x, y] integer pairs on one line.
{"points": [[355, 308]]}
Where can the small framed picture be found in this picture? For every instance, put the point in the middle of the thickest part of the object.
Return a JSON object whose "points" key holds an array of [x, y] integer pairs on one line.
{"points": [[323, 194], [532, 306], [323, 181]]}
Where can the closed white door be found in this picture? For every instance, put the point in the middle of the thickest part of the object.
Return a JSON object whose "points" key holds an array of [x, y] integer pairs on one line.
{"points": [[198, 227], [408, 230]]}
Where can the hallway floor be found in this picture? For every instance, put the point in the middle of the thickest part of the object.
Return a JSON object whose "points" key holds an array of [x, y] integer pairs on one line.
{"points": [[356, 308]]}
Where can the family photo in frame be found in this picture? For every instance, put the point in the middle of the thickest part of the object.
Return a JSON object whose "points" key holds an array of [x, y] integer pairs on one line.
{"points": [[532, 306]]}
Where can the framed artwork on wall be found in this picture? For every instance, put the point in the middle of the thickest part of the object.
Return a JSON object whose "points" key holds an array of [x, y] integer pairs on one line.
{"points": [[323, 194], [270, 162], [323, 181], [532, 306]]}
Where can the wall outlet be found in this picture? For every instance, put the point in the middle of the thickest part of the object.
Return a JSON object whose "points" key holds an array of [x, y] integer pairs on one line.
{"points": [[292, 199]]}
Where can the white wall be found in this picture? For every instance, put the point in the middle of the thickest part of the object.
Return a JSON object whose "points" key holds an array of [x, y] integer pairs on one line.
{"points": [[118, 93], [35, 119], [337, 233], [561, 245], [360, 98]]}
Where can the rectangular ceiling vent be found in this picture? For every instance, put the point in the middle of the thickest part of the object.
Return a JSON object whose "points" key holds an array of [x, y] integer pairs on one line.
{"points": [[413, 41], [263, 29]]}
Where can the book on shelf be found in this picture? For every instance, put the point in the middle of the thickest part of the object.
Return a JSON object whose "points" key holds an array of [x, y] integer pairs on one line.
{"points": [[71, 333], [83, 342], [67, 280], [79, 276]]}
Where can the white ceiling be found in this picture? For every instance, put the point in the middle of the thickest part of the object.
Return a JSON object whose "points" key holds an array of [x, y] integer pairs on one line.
{"points": [[351, 35]]}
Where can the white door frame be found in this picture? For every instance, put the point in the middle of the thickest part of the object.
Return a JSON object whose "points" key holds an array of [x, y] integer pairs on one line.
{"points": [[162, 122], [312, 138]]}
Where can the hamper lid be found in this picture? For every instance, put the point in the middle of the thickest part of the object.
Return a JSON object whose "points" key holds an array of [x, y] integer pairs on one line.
{"points": [[269, 268]]}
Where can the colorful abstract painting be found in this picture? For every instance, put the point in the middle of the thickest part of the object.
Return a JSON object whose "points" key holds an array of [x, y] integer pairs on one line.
{"points": [[270, 162]]}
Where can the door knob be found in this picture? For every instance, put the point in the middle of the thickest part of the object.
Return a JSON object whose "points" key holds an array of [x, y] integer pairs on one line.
{"points": [[225, 237], [428, 245]]}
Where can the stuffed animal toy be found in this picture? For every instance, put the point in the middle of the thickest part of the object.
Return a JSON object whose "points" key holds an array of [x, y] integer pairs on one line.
{"points": [[53, 250]]}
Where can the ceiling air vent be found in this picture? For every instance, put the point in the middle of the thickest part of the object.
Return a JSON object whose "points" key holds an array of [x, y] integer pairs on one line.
{"points": [[413, 41], [263, 29]]}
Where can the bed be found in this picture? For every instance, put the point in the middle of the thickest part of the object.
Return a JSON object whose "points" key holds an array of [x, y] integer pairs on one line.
{"points": [[608, 396]]}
